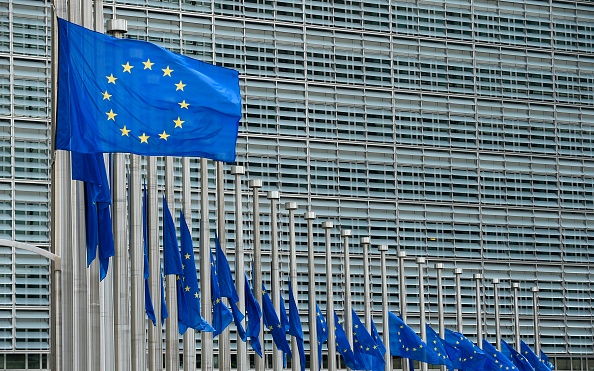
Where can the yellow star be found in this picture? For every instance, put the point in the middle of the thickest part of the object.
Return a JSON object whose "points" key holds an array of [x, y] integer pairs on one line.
{"points": [[144, 138], [178, 122], [217, 301], [106, 95], [179, 86], [270, 327], [127, 67], [196, 295], [111, 115], [365, 348], [187, 256], [183, 104], [183, 266], [167, 71], [279, 326], [125, 131], [111, 79], [187, 288], [148, 65], [356, 326], [165, 136]]}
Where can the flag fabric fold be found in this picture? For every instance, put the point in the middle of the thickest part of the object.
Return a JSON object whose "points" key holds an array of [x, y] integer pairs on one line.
{"points": [[273, 324], [284, 320], [171, 256], [148, 302], [545, 359], [123, 95], [532, 358], [322, 332], [466, 355], [435, 343], [164, 311], [498, 362], [221, 315], [253, 314], [366, 350], [516, 357], [227, 288], [295, 328], [377, 338], [344, 347], [404, 342]]}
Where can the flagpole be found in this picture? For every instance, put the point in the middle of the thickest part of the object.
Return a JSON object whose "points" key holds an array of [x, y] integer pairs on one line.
{"points": [[291, 207], [117, 28], [496, 305], [314, 362], [348, 315], [330, 299], [421, 262], [536, 320], [255, 184], [402, 284], [171, 324], [155, 333], [459, 320], [225, 336], [274, 196], [366, 282], [206, 348], [190, 334], [516, 287], [385, 310], [479, 322], [440, 316], [238, 171]]}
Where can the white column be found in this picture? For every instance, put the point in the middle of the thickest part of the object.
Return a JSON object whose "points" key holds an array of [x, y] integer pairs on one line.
{"points": [[314, 362], [330, 299], [479, 321], [238, 171], [385, 310], [348, 315], [255, 185]]}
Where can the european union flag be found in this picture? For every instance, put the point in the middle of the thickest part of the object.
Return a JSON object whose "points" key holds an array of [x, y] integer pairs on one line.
{"points": [[188, 293], [122, 95], [221, 315], [273, 324], [434, 342], [545, 359], [227, 287], [516, 357], [148, 302], [344, 348], [365, 348], [164, 311], [322, 332], [469, 357], [497, 360], [171, 257], [90, 168], [284, 320], [295, 328], [532, 358], [253, 313], [377, 338], [404, 342]]}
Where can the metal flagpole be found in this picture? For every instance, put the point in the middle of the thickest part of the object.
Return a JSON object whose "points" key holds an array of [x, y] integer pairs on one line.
{"points": [[385, 311], [291, 207], [190, 334], [155, 333], [314, 362], [255, 185], [440, 317], [348, 315], [171, 325], [402, 284], [536, 321], [366, 283], [421, 263], [238, 171], [117, 28], [459, 320], [274, 196], [515, 287], [330, 299], [479, 322], [225, 336], [206, 348], [496, 305]]}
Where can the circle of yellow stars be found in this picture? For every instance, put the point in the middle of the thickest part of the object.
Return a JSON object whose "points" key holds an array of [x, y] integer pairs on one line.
{"points": [[144, 138]]}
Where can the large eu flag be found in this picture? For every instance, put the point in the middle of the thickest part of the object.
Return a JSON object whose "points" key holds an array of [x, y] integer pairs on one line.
{"points": [[121, 95]]}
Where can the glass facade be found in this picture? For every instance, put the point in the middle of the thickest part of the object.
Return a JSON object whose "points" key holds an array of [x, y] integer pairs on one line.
{"points": [[461, 131]]}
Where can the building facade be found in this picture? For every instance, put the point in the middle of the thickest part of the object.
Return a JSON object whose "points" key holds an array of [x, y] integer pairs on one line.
{"points": [[461, 131]]}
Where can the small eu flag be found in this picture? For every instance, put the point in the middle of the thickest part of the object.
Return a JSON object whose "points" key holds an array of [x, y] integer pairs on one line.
{"points": [[378, 340], [404, 342], [434, 342], [322, 332], [221, 315], [148, 302], [469, 356], [171, 256], [545, 360], [295, 328], [253, 314], [122, 95], [533, 358], [516, 357], [365, 347], [498, 362], [273, 324], [344, 347]]}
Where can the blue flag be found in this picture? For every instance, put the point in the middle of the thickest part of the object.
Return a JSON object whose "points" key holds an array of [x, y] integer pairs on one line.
{"points": [[227, 288], [377, 338], [284, 320], [344, 348], [498, 362], [148, 302], [532, 358], [545, 359], [516, 357], [188, 293], [273, 324], [171, 257], [122, 95], [221, 315], [253, 313], [295, 328], [404, 342], [90, 168], [322, 332], [164, 311], [434, 342], [365, 348], [467, 356]]}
